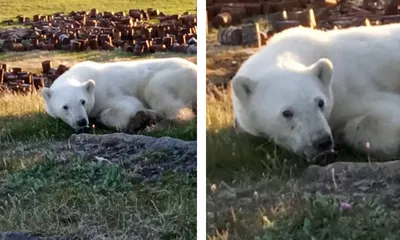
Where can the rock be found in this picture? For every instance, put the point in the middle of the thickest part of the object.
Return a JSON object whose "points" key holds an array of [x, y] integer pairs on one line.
{"points": [[354, 170], [359, 181], [26, 236], [148, 156], [192, 49]]}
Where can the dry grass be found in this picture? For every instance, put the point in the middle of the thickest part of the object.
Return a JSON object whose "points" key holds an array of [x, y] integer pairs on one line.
{"points": [[31, 61], [219, 110], [10, 9], [19, 105]]}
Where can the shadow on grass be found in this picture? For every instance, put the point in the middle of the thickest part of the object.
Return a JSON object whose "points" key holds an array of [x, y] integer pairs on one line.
{"points": [[230, 155], [32, 126], [228, 152]]}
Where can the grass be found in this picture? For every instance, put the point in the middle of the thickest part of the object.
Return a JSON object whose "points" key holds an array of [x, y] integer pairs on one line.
{"points": [[323, 218], [23, 118], [31, 61], [253, 191], [76, 197], [246, 153], [10, 9], [96, 200]]}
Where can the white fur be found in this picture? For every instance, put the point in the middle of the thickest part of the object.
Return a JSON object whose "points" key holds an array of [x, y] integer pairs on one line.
{"points": [[115, 91], [360, 66]]}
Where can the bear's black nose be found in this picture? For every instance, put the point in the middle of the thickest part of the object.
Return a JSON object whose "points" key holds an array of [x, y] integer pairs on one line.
{"points": [[323, 144], [82, 122]]}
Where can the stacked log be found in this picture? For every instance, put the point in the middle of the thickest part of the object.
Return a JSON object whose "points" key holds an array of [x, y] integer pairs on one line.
{"points": [[321, 14], [17, 80], [81, 31], [227, 12]]}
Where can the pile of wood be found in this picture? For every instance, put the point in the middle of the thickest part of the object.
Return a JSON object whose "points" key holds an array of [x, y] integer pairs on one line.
{"points": [[223, 13], [19, 81], [93, 30], [326, 16]]}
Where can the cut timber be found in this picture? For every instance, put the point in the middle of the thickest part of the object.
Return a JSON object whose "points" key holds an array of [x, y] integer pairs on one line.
{"points": [[251, 35], [230, 36]]}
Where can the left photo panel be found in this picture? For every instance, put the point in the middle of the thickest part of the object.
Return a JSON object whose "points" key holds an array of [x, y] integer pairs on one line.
{"points": [[98, 119]]}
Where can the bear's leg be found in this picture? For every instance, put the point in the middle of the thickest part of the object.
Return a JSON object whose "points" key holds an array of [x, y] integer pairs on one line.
{"points": [[375, 133], [127, 113], [173, 94], [171, 107], [174, 111]]}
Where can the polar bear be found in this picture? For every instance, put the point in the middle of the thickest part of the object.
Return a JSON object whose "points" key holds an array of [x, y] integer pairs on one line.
{"points": [[308, 90], [113, 93]]}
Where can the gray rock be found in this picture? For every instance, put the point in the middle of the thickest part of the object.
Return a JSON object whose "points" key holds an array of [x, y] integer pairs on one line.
{"points": [[26, 236], [148, 156], [356, 180]]}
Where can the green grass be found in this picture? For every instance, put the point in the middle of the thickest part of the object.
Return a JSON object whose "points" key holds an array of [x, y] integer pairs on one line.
{"points": [[87, 200], [10, 9], [187, 132], [321, 217]]}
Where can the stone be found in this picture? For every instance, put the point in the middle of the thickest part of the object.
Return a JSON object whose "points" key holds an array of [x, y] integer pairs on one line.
{"points": [[150, 156], [26, 236]]}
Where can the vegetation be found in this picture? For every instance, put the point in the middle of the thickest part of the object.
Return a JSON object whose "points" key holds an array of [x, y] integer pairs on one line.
{"points": [[10, 9], [96, 200]]}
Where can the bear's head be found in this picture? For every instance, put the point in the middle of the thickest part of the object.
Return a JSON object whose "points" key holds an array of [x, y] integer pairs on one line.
{"points": [[71, 103], [290, 106]]}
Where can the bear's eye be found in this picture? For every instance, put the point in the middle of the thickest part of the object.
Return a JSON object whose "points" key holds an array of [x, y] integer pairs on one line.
{"points": [[83, 102], [65, 107], [287, 114], [321, 103]]}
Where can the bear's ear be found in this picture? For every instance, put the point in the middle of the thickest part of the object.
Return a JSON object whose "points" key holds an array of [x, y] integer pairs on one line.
{"points": [[323, 69], [243, 87], [89, 86], [46, 93]]}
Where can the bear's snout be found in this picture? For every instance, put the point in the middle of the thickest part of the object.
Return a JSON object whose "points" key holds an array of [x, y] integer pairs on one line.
{"points": [[82, 122], [323, 143]]}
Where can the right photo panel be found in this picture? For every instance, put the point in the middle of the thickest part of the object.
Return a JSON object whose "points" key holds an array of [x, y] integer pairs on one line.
{"points": [[303, 119]]}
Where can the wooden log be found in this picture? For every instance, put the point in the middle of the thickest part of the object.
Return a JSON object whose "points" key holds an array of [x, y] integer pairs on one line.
{"points": [[251, 35], [230, 36]]}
